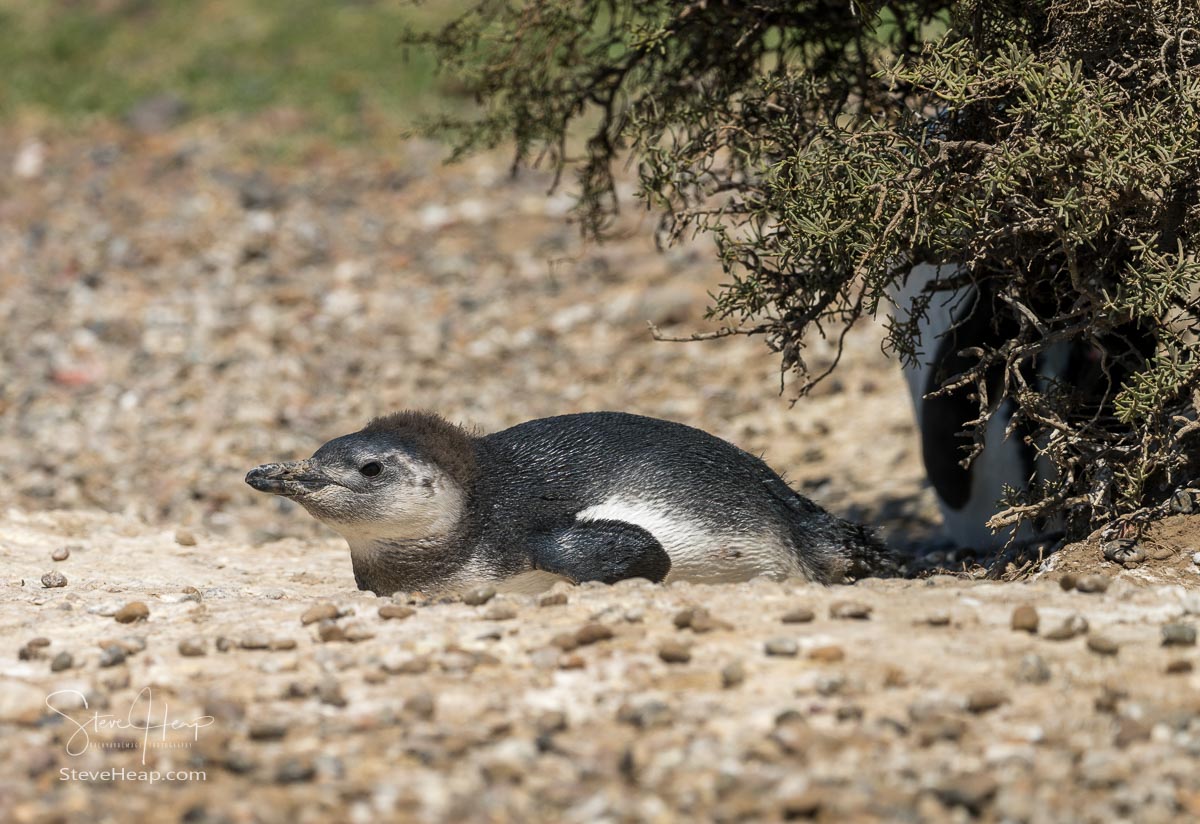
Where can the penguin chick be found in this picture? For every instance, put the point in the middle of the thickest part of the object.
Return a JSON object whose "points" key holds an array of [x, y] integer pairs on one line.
{"points": [[598, 496]]}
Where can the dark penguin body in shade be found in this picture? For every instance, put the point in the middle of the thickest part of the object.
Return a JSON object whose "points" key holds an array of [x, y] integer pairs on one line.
{"points": [[598, 496]]}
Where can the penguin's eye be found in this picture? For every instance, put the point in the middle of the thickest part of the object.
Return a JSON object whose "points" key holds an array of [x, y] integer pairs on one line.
{"points": [[371, 468]]}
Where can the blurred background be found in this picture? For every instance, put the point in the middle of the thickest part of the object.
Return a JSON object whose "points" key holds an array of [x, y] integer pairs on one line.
{"points": [[220, 246]]}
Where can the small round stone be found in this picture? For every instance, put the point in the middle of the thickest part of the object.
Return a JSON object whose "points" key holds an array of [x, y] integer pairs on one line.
{"points": [[985, 699], [193, 647], [395, 612], [185, 537], [479, 596], [53, 580], [319, 612], [329, 630], [733, 674], [500, 612], [1073, 626], [330, 692], [552, 599], [1067, 582], [295, 771], [798, 615], [1094, 583], [674, 652], [1179, 635], [267, 731], [592, 633], [829, 654], [112, 655], [62, 661], [849, 610], [60, 554], [255, 640], [781, 647], [131, 612], [1025, 619], [1179, 666], [1102, 644], [1033, 669]]}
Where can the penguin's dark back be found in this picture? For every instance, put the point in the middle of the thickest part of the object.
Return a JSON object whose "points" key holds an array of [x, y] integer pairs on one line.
{"points": [[582, 459]]}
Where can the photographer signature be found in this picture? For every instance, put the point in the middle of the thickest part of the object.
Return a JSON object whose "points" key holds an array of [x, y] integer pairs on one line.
{"points": [[146, 722]]}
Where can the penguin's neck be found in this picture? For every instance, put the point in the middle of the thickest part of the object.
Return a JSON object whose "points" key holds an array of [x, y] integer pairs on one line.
{"points": [[432, 565]]}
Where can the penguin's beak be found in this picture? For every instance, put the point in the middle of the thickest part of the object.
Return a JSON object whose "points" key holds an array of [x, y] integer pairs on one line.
{"points": [[288, 479]]}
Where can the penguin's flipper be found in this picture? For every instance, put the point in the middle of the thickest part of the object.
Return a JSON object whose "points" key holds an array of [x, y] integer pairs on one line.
{"points": [[607, 551]]}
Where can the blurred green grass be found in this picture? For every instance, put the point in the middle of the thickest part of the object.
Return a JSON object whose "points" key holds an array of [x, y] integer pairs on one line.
{"points": [[338, 61]]}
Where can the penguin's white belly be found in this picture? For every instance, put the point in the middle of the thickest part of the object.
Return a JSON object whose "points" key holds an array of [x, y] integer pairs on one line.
{"points": [[699, 554]]}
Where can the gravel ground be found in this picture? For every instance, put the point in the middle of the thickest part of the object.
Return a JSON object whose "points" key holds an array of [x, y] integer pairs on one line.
{"points": [[177, 308]]}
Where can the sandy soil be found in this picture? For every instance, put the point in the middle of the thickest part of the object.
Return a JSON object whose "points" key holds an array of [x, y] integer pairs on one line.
{"points": [[179, 308]]}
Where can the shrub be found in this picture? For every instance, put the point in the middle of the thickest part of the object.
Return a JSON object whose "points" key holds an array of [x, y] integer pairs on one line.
{"points": [[1048, 152]]}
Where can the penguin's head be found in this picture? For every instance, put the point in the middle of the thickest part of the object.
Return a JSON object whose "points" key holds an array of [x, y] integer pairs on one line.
{"points": [[403, 478]]}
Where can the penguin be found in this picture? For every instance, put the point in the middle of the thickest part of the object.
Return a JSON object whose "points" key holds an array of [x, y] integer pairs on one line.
{"points": [[960, 319], [598, 496]]}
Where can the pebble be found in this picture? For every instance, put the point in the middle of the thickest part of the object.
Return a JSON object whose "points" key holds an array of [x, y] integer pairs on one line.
{"points": [[798, 615], [552, 599], [295, 771], [53, 580], [131, 612], [330, 692], [1072, 626], [849, 610], [1033, 669], [33, 648], [698, 620], [62, 661], [60, 554], [985, 699], [829, 654], [255, 640], [421, 705], [1102, 644], [1196, 558], [267, 731], [938, 619], [329, 630], [1123, 551], [1067, 582], [224, 644], [973, 791], [782, 647], [409, 666], [1025, 619], [185, 537], [479, 596], [282, 644], [732, 674], [592, 633], [356, 631], [646, 714], [112, 655], [674, 652], [319, 612], [395, 611], [1178, 635], [500, 612], [193, 647], [1093, 583], [1179, 666]]}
